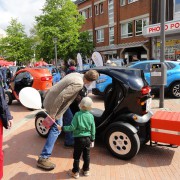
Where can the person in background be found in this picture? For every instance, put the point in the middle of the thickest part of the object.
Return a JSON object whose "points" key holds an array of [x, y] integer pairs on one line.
{"points": [[135, 58], [72, 67], [6, 120], [56, 102], [83, 128]]}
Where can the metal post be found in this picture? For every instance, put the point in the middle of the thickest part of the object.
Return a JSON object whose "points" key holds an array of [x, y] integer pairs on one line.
{"points": [[162, 50], [55, 48]]}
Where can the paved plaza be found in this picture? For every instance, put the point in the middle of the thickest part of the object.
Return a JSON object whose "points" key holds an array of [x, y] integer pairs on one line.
{"points": [[22, 145]]}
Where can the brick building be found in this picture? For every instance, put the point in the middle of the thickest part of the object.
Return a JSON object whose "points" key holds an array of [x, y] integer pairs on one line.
{"points": [[172, 29], [116, 26]]}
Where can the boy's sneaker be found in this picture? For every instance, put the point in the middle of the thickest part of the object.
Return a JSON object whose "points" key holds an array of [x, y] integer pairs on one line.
{"points": [[85, 173], [72, 174], [45, 163]]}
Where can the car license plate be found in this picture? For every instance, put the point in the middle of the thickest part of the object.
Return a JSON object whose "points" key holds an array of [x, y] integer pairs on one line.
{"points": [[148, 104]]}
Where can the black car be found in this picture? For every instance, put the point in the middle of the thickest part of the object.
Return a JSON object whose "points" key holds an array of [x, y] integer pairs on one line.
{"points": [[125, 122]]}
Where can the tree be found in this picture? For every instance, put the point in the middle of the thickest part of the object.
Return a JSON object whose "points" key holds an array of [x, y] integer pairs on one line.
{"points": [[60, 19], [16, 45], [85, 45]]}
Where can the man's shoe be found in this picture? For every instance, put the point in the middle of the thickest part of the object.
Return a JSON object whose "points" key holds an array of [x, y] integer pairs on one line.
{"points": [[72, 174], [85, 173], [45, 163]]}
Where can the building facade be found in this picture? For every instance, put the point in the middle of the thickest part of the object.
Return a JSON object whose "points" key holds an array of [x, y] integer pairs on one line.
{"points": [[172, 30], [117, 25]]}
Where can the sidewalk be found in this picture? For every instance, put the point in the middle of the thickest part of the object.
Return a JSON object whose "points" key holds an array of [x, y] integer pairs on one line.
{"points": [[22, 146]]}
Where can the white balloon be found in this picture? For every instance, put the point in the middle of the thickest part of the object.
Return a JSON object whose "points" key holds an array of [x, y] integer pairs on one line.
{"points": [[30, 98]]}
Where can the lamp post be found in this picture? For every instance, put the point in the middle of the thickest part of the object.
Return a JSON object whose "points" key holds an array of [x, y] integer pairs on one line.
{"points": [[55, 48]]}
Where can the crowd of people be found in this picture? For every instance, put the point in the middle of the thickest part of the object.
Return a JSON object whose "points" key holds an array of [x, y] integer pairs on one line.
{"points": [[68, 106]]}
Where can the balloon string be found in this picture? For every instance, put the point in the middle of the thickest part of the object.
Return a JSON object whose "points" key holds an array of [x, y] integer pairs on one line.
{"points": [[50, 117]]}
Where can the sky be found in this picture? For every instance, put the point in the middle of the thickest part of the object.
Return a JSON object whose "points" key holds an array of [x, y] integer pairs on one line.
{"points": [[23, 10]]}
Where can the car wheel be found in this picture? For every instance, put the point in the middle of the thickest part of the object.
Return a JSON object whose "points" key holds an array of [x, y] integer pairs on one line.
{"points": [[8, 97], [42, 131], [175, 90], [122, 142]]}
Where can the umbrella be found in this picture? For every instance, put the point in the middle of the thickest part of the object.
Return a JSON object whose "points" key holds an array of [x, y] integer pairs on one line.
{"points": [[40, 63], [6, 63]]}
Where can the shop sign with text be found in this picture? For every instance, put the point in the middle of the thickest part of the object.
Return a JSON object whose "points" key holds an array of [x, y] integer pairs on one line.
{"points": [[171, 27]]}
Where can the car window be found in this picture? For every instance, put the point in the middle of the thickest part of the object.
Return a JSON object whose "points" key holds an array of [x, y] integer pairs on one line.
{"points": [[19, 76], [169, 65], [144, 66]]}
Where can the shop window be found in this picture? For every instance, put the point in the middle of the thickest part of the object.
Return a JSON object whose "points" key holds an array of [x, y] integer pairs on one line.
{"points": [[101, 8], [96, 9], [100, 35], [140, 25], [122, 2], [126, 30]]}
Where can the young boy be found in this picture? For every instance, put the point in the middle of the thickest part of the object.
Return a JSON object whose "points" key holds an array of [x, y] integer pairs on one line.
{"points": [[83, 128]]}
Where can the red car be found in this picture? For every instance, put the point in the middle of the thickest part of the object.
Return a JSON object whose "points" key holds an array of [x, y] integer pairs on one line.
{"points": [[40, 79]]}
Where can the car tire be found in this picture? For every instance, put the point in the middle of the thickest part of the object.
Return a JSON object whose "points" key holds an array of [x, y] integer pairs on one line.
{"points": [[122, 142], [8, 97], [175, 90], [41, 130]]}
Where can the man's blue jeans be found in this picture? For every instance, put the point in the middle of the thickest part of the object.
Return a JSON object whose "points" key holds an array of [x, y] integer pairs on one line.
{"points": [[54, 133]]}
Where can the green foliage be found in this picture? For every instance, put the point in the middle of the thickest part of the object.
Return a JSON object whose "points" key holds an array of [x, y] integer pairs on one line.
{"points": [[60, 19], [16, 45]]}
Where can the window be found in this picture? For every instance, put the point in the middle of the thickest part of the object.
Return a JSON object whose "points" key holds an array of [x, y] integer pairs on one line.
{"points": [[96, 9], [111, 35], [177, 6], [101, 8], [84, 14], [100, 35], [144, 66], [122, 2], [90, 12], [126, 30], [131, 1], [140, 25]]}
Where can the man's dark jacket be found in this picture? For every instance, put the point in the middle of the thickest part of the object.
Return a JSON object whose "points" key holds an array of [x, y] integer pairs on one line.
{"points": [[5, 114]]}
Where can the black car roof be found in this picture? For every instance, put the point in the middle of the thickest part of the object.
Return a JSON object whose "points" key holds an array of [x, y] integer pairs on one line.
{"points": [[125, 75]]}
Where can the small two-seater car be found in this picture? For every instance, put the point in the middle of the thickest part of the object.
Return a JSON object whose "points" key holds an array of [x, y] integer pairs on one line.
{"points": [[125, 122], [38, 78]]}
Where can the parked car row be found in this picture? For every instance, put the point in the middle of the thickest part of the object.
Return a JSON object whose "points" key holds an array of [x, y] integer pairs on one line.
{"points": [[173, 78]]}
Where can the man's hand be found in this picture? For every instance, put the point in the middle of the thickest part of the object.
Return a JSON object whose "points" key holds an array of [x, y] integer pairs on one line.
{"points": [[59, 127], [10, 123]]}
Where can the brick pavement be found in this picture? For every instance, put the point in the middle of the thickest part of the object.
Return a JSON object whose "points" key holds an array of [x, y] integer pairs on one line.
{"points": [[22, 146]]}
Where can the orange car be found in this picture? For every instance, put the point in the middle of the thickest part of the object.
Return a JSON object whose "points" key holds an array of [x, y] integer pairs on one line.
{"points": [[40, 79]]}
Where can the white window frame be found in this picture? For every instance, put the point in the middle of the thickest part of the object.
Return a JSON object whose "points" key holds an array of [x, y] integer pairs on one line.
{"points": [[101, 10], [144, 22], [96, 9], [99, 35], [90, 12], [111, 35], [126, 34], [122, 2], [131, 1]]}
